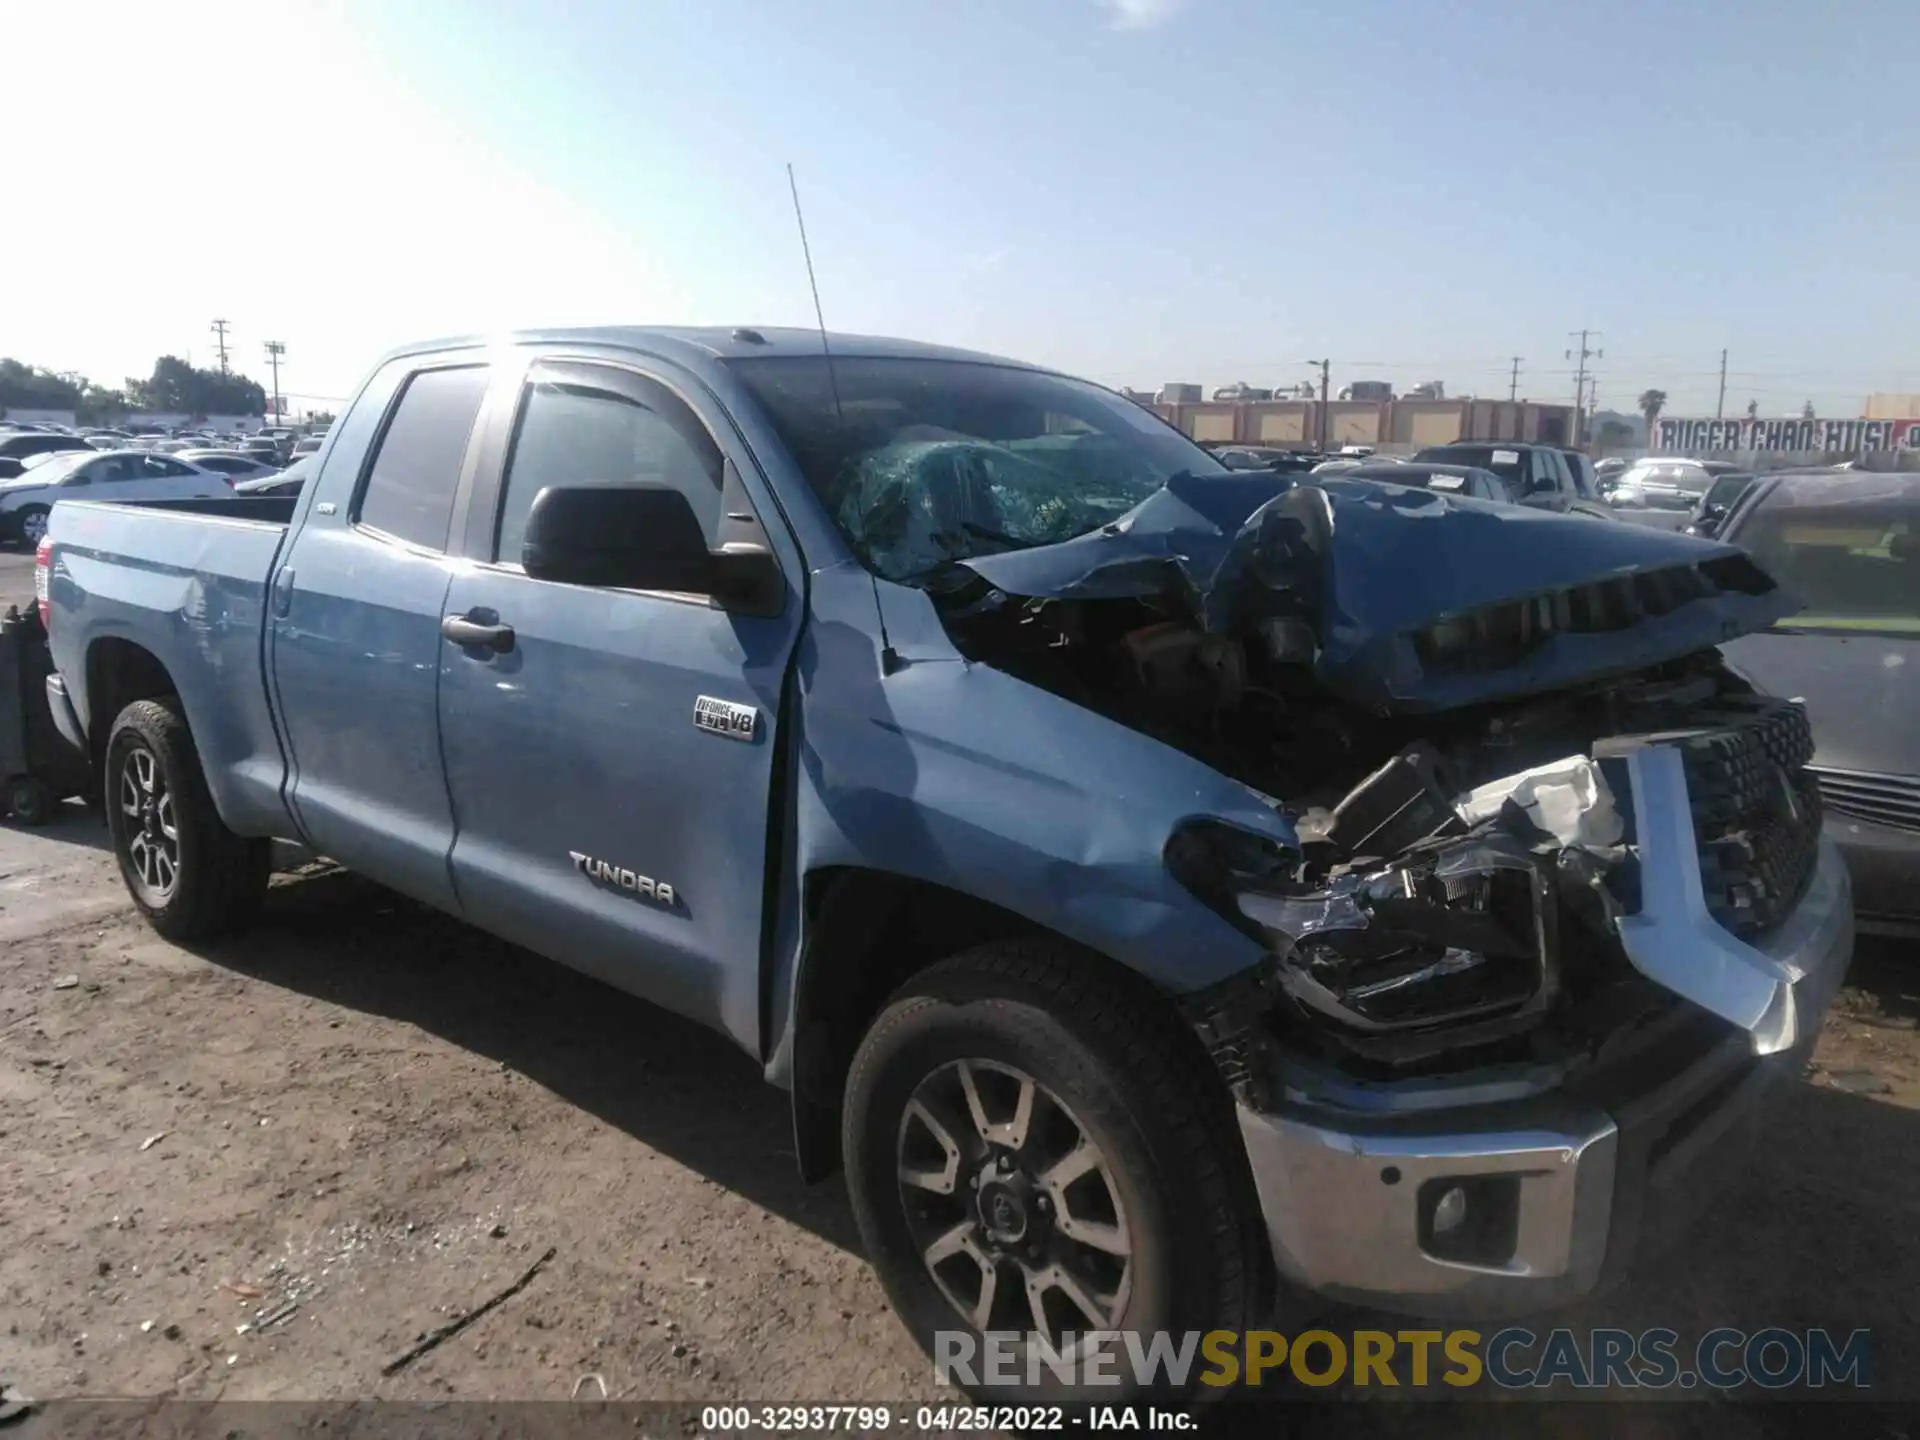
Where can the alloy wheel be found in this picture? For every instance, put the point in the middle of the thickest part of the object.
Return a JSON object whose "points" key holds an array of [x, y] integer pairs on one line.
{"points": [[1012, 1204], [153, 836]]}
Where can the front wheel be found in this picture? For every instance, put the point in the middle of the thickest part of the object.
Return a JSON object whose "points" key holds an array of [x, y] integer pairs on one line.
{"points": [[33, 526], [188, 873], [1034, 1155]]}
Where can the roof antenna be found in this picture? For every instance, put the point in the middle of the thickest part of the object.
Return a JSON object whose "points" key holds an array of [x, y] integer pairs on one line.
{"points": [[818, 314], [890, 660]]}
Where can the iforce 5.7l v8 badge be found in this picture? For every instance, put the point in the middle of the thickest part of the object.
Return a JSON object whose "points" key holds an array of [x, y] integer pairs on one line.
{"points": [[723, 717]]}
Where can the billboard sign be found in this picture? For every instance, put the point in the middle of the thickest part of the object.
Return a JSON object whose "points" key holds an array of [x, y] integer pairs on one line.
{"points": [[1852, 437]]}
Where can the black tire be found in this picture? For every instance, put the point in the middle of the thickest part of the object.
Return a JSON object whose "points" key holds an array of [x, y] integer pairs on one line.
{"points": [[1101, 1047], [29, 801], [216, 879], [31, 517]]}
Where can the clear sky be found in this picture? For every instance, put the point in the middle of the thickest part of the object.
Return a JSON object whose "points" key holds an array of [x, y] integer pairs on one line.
{"points": [[1135, 190]]}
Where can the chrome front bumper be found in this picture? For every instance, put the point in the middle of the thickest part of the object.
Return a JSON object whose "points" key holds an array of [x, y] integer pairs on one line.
{"points": [[1348, 1189]]}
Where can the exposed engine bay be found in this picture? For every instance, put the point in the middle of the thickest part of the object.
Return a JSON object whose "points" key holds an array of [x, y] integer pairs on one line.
{"points": [[1453, 894]]}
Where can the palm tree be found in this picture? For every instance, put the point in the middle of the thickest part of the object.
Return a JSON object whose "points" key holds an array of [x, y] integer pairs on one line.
{"points": [[1652, 402]]}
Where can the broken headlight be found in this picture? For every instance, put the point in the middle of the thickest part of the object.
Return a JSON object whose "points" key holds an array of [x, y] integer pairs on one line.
{"points": [[1459, 931]]}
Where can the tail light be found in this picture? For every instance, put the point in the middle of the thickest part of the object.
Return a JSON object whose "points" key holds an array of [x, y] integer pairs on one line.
{"points": [[43, 578]]}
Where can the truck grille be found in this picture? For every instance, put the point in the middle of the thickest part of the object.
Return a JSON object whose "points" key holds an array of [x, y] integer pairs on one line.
{"points": [[1890, 800], [1756, 809]]}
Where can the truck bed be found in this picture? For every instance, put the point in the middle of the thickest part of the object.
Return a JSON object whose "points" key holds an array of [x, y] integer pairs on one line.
{"points": [[186, 582]]}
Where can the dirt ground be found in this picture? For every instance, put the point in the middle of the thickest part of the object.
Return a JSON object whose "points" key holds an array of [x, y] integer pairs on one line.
{"points": [[264, 1170]]}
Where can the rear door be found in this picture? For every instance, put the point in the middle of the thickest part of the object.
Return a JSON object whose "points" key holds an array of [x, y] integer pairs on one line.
{"points": [[598, 822], [355, 635]]}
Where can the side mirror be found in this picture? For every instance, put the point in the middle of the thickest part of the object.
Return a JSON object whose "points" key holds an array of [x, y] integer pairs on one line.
{"points": [[644, 537]]}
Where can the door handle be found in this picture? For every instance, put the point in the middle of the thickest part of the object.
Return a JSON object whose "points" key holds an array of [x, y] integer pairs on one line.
{"points": [[462, 631]]}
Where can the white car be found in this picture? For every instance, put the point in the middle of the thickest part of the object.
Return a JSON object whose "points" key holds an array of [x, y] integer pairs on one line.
{"points": [[90, 475], [230, 463]]}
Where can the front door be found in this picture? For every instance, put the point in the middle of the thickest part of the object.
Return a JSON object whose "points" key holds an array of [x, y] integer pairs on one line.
{"points": [[611, 752]]}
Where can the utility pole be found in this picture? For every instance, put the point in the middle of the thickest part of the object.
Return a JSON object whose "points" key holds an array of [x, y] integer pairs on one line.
{"points": [[274, 351], [1720, 405], [1325, 367], [219, 328], [1580, 379], [1513, 385]]}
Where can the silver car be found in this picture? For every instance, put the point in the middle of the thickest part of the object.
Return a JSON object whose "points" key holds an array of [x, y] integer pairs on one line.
{"points": [[25, 502], [230, 463], [1849, 547]]}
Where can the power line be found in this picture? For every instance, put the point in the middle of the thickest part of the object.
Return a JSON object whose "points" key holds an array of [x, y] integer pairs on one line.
{"points": [[274, 351], [219, 328], [1325, 367]]}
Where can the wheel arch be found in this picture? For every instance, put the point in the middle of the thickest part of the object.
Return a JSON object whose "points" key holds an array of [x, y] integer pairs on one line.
{"points": [[868, 932], [119, 672]]}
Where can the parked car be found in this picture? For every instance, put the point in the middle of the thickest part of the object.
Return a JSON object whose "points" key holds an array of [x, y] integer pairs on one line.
{"points": [[306, 445], [230, 463], [1265, 457], [1538, 475], [285, 482], [1711, 512], [1586, 475], [88, 474], [17, 446], [1667, 484], [927, 749], [1446, 479], [1849, 547]]}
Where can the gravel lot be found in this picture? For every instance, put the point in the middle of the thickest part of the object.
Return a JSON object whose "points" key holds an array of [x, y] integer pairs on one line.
{"points": [[263, 1170]]}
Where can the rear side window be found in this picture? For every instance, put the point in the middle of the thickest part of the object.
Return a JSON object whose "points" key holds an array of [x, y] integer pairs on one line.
{"points": [[573, 435], [416, 470]]}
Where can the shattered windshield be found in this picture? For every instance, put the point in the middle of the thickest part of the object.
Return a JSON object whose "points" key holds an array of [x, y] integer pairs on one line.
{"points": [[925, 462]]}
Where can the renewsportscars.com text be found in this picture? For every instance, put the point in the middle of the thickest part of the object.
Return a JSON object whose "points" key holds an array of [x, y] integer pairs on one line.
{"points": [[1512, 1358]]}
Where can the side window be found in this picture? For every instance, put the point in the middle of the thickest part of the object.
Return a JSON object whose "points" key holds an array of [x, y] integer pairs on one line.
{"points": [[579, 435], [157, 467], [409, 494]]}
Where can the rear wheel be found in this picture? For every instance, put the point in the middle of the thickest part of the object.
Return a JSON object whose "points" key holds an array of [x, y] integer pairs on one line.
{"points": [[33, 526], [1031, 1149], [188, 873]]}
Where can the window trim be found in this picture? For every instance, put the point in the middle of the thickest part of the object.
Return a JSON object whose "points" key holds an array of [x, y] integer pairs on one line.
{"points": [[483, 528], [463, 483]]}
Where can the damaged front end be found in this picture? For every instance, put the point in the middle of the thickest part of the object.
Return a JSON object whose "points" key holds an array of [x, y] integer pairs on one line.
{"points": [[1451, 698], [1547, 906]]}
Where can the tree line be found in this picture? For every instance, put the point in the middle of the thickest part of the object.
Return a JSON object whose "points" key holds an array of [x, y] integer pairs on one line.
{"points": [[174, 387]]}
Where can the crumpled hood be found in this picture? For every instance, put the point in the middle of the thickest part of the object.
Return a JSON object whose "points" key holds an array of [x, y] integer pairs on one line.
{"points": [[1410, 613]]}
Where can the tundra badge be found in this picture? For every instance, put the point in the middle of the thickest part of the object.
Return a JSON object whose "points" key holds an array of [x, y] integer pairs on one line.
{"points": [[723, 717], [640, 885]]}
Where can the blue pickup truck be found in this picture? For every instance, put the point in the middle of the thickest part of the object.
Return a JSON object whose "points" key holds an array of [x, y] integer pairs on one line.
{"points": [[1163, 890]]}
